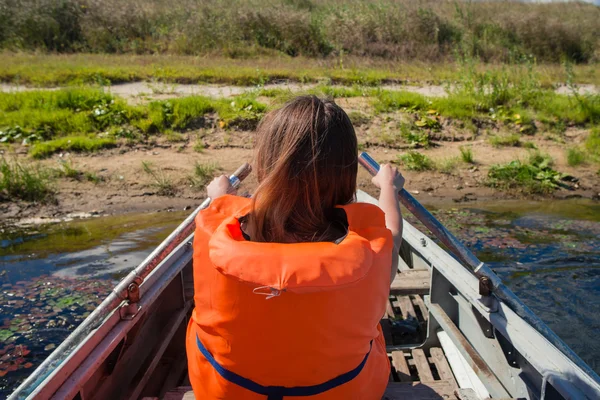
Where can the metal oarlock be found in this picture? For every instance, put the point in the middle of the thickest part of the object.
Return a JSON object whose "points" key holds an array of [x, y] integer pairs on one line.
{"points": [[490, 283]]}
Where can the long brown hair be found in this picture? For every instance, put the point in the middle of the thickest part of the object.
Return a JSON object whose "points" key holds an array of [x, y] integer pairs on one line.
{"points": [[306, 162]]}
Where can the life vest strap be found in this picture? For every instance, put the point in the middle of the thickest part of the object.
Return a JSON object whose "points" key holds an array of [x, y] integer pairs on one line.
{"points": [[278, 392]]}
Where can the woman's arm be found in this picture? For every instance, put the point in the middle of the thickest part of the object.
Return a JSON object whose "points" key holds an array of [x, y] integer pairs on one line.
{"points": [[391, 181]]}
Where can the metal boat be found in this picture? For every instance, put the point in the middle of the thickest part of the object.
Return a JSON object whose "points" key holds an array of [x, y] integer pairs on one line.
{"points": [[453, 330]]}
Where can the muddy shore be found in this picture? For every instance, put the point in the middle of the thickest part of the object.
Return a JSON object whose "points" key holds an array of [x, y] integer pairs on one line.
{"points": [[124, 187]]}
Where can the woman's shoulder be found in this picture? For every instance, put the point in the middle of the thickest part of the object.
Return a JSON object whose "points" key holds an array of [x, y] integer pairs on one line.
{"points": [[220, 209], [364, 215]]}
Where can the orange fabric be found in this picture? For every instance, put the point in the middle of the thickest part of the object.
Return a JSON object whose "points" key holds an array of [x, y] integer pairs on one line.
{"points": [[320, 326]]}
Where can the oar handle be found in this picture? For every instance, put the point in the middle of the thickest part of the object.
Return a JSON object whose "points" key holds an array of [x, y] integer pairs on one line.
{"points": [[427, 219], [235, 179]]}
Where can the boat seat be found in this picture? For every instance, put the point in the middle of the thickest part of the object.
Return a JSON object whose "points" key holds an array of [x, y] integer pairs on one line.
{"points": [[411, 281]]}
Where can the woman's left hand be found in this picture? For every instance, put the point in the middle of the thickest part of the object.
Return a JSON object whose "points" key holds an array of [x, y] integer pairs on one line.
{"points": [[219, 186]]}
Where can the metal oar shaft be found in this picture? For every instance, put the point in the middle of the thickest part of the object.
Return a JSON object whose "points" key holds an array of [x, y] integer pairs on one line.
{"points": [[126, 289], [481, 270]]}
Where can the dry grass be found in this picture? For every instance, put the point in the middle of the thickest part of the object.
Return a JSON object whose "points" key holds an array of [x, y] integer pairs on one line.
{"points": [[391, 29]]}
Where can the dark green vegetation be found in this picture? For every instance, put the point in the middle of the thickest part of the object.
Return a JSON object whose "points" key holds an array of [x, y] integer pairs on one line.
{"points": [[87, 119], [466, 154], [393, 29], [415, 161], [533, 176], [24, 182]]}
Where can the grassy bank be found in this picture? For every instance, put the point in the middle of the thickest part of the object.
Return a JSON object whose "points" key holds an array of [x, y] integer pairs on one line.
{"points": [[391, 29], [103, 69], [87, 119]]}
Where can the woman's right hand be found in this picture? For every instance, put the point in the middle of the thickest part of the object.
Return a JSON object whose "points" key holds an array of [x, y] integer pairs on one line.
{"points": [[219, 186], [388, 176]]}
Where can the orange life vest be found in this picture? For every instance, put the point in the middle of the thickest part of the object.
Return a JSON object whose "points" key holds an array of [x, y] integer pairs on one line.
{"points": [[317, 335]]}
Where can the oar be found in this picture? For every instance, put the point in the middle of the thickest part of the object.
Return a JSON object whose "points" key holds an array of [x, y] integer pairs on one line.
{"points": [[489, 282], [127, 289]]}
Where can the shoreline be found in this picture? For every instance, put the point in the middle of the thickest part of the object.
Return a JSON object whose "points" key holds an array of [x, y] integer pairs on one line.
{"points": [[126, 189]]}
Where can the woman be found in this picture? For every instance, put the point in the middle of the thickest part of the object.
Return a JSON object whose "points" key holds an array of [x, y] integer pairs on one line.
{"points": [[290, 286]]}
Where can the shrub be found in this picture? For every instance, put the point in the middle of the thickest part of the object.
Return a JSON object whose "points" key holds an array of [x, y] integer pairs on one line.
{"points": [[415, 161], [534, 176], [24, 182]]}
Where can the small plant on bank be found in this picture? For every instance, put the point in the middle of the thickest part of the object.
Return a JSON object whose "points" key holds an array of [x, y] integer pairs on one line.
{"points": [[415, 161], [199, 146], [27, 182], [67, 170], [93, 177], [575, 156], [358, 119], [592, 144], [162, 182], [505, 140], [174, 137], [448, 165], [415, 139], [534, 176], [203, 173], [466, 154]]}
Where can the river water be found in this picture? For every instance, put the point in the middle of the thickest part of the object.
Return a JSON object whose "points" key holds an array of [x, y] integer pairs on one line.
{"points": [[53, 276]]}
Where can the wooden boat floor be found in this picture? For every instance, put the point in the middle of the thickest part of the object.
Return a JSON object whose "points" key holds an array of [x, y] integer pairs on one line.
{"points": [[415, 375]]}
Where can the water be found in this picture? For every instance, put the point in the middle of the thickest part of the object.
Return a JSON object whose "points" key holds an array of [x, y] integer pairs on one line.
{"points": [[51, 278]]}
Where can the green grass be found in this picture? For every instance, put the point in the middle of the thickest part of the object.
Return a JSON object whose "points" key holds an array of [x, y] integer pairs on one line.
{"points": [[40, 115], [93, 177], [77, 69], [199, 146], [466, 154], [592, 143], [575, 157], [414, 138], [415, 161], [66, 169], [387, 101], [534, 176], [174, 137], [82, 144], [163, 184], [203, 173], [513, 140], [447, 165], [86, 120], [29, 182], [81, 99], [358, 118]]}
